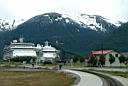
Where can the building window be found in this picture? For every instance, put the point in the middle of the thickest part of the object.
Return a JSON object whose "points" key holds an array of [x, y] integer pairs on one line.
{"points": [[110, 54], [116, 55]]}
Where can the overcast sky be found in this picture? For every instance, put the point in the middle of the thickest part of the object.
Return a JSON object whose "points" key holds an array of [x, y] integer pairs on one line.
{"points": [[111, 9]]}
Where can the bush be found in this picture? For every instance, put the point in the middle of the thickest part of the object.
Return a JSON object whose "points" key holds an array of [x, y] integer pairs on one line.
{"points": [[122, 59], [75, 59], [82, 59], [92, 61], [111, 58], [102, 60], [23, 58]]}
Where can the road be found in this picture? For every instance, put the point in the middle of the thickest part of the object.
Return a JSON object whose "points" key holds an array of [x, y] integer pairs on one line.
{"points": [[94, 79], [86, 79]]}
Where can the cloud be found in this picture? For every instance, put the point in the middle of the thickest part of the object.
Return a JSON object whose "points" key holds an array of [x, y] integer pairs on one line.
{"points": [[113, 9]]}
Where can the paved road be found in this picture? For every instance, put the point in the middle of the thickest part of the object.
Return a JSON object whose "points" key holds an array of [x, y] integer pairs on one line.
{"points": [[122, 80], [87, 79]]}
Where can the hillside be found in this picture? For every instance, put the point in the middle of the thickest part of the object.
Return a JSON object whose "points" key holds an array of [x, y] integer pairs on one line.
{"points": [[66, 33], [118, 40]]}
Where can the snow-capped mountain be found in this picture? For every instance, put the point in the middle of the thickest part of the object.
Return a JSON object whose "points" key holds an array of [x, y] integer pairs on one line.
{"points": [[7, 25], [94, 22]]}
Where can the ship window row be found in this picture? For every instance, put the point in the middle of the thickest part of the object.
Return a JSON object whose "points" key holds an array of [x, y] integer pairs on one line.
{"points": [[22, 46]]}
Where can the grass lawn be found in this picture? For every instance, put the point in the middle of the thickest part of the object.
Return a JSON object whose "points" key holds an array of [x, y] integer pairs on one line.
{"points": [[115, 73], [46, 78]]}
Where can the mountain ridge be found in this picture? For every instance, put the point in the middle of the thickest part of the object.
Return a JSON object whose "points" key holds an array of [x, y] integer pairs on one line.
{"points": [[94, 22], [55, 27]]}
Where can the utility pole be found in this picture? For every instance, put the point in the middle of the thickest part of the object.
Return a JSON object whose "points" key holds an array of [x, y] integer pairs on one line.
{"points": [[102, 46], [102, 52]]}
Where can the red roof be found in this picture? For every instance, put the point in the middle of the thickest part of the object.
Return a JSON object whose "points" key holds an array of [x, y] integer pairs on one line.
{"points": [[102, 52]]}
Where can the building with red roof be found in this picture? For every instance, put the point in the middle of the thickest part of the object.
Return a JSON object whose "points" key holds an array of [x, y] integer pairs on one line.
{"points": [[100, 52], [97, 55]]}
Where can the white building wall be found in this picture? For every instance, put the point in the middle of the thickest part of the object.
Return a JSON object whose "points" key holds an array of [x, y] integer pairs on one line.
{"points": [[107, 63], [115, 63], [24, 52], [49, 55]]}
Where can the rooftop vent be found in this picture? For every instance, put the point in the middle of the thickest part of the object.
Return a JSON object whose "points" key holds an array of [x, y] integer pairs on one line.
{"points": [[21, 40], [15, 41]]}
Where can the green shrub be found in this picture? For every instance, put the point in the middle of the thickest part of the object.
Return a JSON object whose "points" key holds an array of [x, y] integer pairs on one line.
{"points": [[75, 59], [82, 59], [23, 58], [92, 61], [122, 59], [102, 60], [111, 58]]}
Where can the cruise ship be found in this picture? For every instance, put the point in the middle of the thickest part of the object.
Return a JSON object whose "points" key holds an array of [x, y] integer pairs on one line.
{"points": [[19, 48], [49, 53]]}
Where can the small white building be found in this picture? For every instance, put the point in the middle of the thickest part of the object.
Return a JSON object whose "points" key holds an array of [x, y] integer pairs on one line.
{"points": [[49, 53], [19, 48], [107, 53]]}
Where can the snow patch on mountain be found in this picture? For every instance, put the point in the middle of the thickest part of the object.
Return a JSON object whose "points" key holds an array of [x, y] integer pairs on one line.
{"points": [[90, 21], [6, 24], [94, 22], [67, 21], [117, 23]]}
